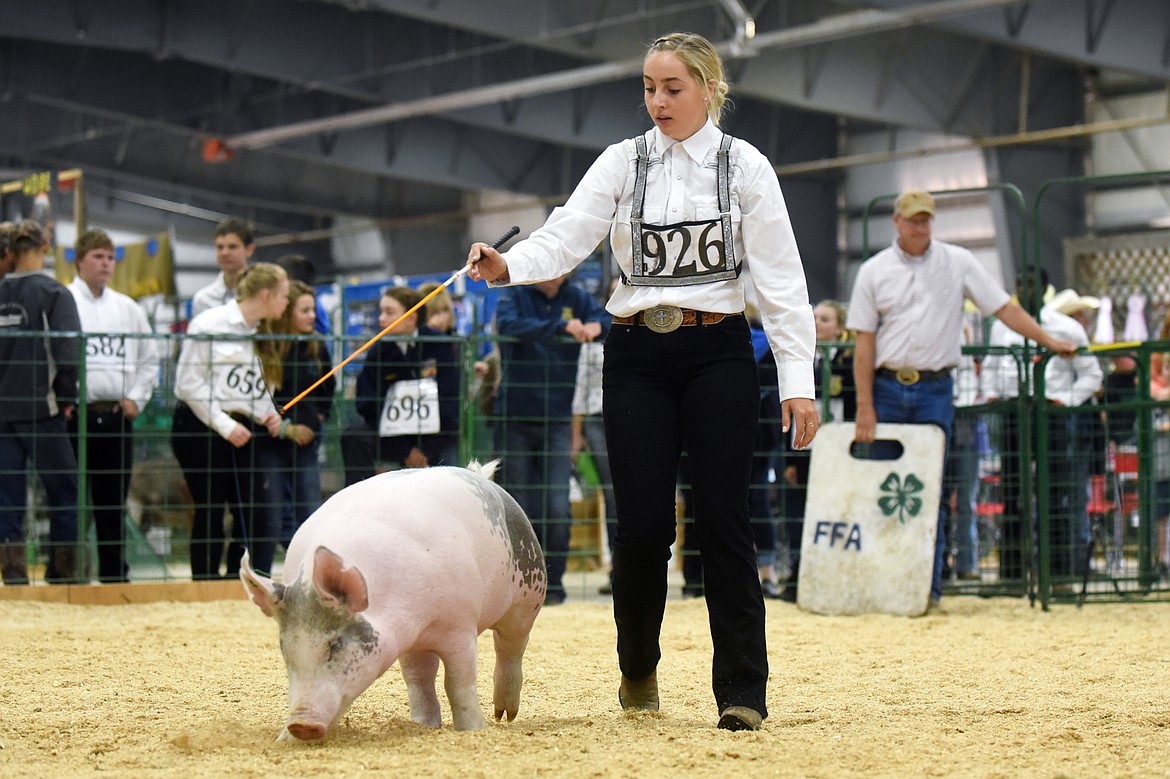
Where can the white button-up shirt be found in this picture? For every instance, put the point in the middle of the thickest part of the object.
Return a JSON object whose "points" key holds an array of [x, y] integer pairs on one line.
{"points": [[915, 304], [116, 367], [681, 186], [214, 294], [220, 376], [1070, 382]]}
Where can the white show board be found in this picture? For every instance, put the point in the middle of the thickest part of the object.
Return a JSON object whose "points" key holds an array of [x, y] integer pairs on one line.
{"points": [[870, 525]]}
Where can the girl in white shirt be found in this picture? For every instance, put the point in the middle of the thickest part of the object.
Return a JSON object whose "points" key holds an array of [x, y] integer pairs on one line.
{"points": [[223, 402], [687, 208]]}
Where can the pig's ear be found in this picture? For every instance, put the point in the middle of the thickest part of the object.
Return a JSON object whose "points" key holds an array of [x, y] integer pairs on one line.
{"points": [[333, 580], [263, 591]]}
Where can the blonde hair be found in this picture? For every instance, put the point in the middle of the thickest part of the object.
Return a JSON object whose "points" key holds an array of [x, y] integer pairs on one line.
{"points": [[440, 303], [257, 278], [842, 315], [703, 62], [273, 351], [27, 236]]}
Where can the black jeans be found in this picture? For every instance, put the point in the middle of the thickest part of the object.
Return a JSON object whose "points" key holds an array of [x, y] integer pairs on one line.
{"points": [[695, 387], [220, 475], [109, 461]]}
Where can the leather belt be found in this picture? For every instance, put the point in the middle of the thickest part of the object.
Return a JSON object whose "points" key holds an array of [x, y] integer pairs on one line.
{"points": [[908, 376], [665, 319], [104, 407]]}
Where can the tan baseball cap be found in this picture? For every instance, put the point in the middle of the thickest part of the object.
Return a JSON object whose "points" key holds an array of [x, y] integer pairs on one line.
{"points": [[913, 202]]}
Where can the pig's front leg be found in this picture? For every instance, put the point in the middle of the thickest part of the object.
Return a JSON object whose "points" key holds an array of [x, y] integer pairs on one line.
{"points": [[420, 669], [459, 681]]}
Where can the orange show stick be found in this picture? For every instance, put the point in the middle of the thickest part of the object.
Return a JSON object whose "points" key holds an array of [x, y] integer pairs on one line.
{"points": [[462, 271]]}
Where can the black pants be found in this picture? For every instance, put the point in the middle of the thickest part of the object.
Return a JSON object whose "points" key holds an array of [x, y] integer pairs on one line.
{"points": [[109, 455], [219, 475], [695, 387], [362, 448]]}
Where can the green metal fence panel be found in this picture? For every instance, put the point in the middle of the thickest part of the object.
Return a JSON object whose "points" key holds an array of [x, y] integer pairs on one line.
{"points": [[1124, 487]]}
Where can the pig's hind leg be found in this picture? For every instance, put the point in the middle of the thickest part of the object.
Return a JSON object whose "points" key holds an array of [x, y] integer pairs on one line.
{"points": [[420, 669], [510, 635]]}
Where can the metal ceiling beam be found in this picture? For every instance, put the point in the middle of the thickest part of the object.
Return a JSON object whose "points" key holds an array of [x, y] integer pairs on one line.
{"points": [[999, 141], [823, 30], [1133, 37]]}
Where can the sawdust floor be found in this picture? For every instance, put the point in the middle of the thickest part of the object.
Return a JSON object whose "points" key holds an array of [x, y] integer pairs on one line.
{"points": [[991, 688]]}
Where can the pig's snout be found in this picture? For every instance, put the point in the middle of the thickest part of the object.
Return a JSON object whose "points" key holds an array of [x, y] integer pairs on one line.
{"points": [[306, 724], [307, 731]]}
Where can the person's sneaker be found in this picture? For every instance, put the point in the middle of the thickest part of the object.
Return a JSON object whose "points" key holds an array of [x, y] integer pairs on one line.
{"points": [[788, 594], [641, 695], [770, 588], [554, 597], [740, 718], [607, 588]]}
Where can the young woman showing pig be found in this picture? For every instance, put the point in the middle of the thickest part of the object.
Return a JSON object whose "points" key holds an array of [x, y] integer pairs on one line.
{"points": [[686, 207]]}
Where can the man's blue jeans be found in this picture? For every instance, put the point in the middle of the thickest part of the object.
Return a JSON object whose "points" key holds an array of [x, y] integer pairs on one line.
{"points": [[924, 403]]}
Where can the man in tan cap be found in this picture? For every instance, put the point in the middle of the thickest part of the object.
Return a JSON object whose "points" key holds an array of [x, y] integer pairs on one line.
{"points": [[907, 313]]}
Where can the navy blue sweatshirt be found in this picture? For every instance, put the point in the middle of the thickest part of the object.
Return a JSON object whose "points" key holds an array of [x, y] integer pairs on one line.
{"points": [[38, 374], [539, 374]]}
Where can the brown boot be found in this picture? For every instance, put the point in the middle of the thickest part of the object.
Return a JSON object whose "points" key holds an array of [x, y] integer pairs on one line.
{"points": [[62, 567], [14, 564], [740, 718], [641, 695]]}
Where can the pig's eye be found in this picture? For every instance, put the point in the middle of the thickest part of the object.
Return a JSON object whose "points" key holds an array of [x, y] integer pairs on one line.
{"points": [[334, 647]]}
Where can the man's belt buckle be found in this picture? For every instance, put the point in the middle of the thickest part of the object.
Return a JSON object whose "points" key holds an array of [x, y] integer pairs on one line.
{"points": [[907, 376], [663, 318]]}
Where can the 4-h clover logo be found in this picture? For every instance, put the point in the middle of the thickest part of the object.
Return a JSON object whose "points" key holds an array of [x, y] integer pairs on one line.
{"points": [[903, 498]]}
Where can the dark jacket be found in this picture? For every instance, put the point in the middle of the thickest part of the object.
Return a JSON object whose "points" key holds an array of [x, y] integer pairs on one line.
{"points": [[841, 383], [38, 374], [386, 363], [539, 372], [301, 369]]}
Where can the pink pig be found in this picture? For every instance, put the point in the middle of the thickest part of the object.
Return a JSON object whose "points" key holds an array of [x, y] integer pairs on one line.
{"points": [[410, 566]]}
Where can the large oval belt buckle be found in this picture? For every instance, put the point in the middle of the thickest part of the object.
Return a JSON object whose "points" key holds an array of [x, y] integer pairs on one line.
{"points": [[663, 318], [907, 376]]}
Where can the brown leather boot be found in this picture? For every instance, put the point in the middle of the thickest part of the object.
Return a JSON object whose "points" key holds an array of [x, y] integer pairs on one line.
{"points": [[62, 567], [641, 695], [14, 564], [740, 718]]}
